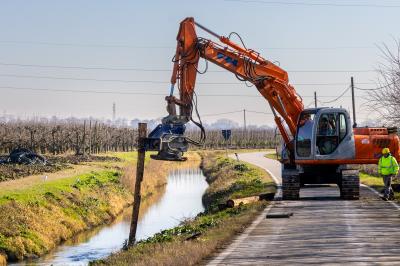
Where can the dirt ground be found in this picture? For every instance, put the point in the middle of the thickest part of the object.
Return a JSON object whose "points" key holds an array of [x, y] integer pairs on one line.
{"points": [[54, 164]]}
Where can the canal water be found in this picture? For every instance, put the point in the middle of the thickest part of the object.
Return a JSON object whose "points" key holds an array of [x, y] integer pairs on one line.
{"points": [[181, 200]]}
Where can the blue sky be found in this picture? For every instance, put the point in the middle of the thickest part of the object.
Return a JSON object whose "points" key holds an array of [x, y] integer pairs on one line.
{"points": [[141, 35]]}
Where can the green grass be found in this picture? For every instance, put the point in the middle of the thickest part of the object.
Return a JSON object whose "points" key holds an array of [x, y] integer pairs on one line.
{"points": [[38, 193], [372, 181], [231, 179], [272, 156], [376, 182], [126, 156], [130, 156]]}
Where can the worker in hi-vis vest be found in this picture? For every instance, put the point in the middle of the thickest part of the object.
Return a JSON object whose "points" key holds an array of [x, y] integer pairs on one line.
{"points": [[387, 168]]}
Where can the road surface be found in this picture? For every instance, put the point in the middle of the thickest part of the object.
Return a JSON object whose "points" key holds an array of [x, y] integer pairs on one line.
{"points": [[322, 230]]}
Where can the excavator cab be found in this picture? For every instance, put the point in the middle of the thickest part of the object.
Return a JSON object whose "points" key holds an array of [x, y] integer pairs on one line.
{"points": [[324, 134]]}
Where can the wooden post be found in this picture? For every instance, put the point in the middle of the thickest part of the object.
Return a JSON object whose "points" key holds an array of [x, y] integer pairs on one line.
{"points": [[226, 148], [353, 102], [139, 177], [84, 138], [315, 99], [90, 136]]}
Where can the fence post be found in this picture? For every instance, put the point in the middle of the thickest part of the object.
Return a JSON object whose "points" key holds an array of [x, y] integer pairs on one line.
{"points": [[139, 177]]}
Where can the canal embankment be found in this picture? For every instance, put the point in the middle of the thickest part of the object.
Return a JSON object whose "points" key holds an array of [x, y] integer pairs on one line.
{"points": [[39, 216], [197, 239]]}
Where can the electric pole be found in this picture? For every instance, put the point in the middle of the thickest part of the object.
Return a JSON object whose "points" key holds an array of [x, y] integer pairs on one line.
{"points": [[353, 102], [114, 109], [315, 99], [244, 119]]}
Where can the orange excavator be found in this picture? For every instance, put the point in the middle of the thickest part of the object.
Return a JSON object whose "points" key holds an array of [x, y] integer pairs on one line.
{"points": [[320, 144]]}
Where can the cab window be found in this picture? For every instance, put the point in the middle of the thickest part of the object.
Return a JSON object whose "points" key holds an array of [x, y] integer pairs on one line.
{"points": [[304, 135], [342, 127], [331, 131]]}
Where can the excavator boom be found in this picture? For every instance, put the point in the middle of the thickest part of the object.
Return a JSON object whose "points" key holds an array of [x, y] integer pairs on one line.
{"points": [[306, 143], [246, 64], [320, 143]]}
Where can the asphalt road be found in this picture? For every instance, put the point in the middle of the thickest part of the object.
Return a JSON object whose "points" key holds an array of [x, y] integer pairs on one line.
{"points": [[324, 230]]}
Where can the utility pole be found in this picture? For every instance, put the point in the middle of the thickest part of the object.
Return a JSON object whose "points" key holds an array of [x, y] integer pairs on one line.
{"points": [[315, 99], [353, 102], [114, 109], [138, 183], [244, 119], [244, 127]]}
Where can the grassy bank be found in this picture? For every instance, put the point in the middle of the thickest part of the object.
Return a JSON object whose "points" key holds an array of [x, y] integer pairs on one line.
{"points": [[272, 156], [197, 239], [38, 217], [376, 182], [9, 171]]}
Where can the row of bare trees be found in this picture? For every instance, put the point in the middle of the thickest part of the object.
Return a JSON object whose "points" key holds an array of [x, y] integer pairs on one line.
{"points": [[88, 137], [62, 137], [240, 138]]}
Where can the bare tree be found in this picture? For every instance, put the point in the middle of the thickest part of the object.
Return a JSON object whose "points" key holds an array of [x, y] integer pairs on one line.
{"points": [[385, 99], [64, 136]]}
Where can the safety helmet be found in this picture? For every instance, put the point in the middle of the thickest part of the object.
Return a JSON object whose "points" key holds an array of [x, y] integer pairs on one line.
{"points": [[385, 151]]}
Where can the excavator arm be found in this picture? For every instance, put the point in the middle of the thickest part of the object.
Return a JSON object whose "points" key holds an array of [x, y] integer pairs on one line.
{"points": [[246, 64]]}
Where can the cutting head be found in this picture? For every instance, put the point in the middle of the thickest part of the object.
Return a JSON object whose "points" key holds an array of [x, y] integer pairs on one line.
{"points": [[169, 140]]}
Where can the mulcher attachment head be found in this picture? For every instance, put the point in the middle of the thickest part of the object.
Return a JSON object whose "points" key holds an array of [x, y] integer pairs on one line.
{"points": [[169, 140]]}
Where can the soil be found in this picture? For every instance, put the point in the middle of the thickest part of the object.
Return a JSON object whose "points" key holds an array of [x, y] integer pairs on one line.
{"points": [[54, 164]]}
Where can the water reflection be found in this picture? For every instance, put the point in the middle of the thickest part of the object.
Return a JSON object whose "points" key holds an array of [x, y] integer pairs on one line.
{"points": [[181, 200]]}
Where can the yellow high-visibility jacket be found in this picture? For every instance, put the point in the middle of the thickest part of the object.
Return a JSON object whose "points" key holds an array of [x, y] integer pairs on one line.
{"points": [[388, 166]]}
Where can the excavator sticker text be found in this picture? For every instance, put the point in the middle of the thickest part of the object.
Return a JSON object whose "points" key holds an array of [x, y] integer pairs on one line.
{"points": [[227, 59]]}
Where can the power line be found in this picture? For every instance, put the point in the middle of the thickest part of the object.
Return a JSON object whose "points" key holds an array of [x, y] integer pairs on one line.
{"points": [[381, 87], [238, 111], [225, 113], [168, 47], [372, 89], [121, 92], [162, 82], [289, 3], [146, 93], [85, 45], [331, 71], [81, 91], [258, 112], [83, 67], [310, 104], [169, 70], [337, 98]]}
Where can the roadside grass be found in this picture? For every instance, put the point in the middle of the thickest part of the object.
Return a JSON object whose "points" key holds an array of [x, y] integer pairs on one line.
{"points": [[376, 182], [196, 240], [38, 217], [272, 156]]}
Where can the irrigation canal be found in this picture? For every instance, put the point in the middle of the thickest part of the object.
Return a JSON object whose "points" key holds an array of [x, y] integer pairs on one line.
{"points": [[181, 200]]}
